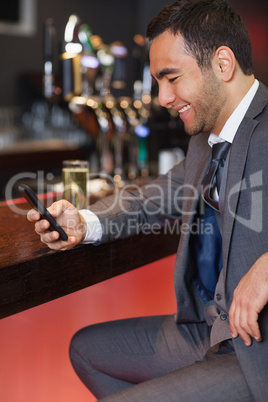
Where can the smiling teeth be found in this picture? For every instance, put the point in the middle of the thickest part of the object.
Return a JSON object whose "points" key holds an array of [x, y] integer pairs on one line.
{"points": [[185, 108]]}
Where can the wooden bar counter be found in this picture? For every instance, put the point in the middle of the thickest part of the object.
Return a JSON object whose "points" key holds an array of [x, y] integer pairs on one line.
{"points": [[32, 274]]}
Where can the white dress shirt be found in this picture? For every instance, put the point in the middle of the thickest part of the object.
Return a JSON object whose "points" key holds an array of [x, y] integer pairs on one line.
{"points": [[94, 229]]}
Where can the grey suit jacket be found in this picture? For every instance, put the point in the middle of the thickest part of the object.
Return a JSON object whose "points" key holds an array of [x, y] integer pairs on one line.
{"points": [[176, 196]]}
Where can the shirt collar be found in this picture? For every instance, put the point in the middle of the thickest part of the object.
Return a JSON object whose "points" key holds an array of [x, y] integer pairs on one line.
{"points": [[231, 126]]}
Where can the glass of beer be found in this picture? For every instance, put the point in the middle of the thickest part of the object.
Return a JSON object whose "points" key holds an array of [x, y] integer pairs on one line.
{"points": [[75, 174]]}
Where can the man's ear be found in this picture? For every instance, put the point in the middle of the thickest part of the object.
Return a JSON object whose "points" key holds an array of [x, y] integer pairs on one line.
{"points": [[224, 63]]}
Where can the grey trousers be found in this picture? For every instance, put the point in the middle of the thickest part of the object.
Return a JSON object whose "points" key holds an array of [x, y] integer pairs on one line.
{"points": [[153, 359]]}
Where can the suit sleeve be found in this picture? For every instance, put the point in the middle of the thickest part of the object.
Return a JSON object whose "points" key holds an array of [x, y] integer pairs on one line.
{"points": [[142, 209]]}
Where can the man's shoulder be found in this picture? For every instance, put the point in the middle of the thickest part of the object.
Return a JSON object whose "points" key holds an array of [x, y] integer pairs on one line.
{"points": [[263, 87], [259, 103], [199, 141], [198, 150]]}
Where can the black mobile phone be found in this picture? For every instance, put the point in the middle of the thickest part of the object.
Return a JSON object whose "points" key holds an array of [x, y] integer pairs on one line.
{"points": [[35, 203]]}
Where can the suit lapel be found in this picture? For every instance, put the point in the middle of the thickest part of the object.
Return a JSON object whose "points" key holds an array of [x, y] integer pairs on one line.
{"points": [[237, 161], [236, 167]]}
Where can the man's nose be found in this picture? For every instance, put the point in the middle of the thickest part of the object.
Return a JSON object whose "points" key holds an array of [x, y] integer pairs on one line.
{"points": [[166, 96]]}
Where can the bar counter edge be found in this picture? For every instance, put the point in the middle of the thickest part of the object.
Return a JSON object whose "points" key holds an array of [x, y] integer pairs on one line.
{"points": [[31, 274]]}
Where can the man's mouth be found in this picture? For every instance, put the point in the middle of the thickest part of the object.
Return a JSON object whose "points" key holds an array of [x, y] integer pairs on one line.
{"points": [[184, 109]]}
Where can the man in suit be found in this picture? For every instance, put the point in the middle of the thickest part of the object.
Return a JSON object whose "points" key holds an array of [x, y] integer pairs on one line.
{"points": [[215, 348]]}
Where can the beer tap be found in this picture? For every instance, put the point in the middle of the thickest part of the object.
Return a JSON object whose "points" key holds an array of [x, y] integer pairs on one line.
{"points": [[120, 138], [94, 116], [117, 90], [71, 59], [88, 108], [89, 61], [138, 110]]}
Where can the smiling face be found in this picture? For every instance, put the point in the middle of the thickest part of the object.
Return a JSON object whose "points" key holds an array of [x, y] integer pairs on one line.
{"points": [[198, 96]]}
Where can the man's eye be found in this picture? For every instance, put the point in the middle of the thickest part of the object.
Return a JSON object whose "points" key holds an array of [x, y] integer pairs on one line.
{"points": [[172, 79]]}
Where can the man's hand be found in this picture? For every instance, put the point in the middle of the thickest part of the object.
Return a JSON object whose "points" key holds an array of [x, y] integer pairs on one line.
{"points": [[250, 297], [70, 220]]}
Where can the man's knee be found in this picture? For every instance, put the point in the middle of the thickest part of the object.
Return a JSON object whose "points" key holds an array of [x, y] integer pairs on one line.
{"points": [[80, 346], [74, 349], [84, 344]]}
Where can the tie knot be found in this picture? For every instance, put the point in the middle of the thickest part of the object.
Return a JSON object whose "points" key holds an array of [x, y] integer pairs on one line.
{"points": [[220, 150]]}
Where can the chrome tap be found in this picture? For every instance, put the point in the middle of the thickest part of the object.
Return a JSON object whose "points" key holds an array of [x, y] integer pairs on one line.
{"points": [[89, 61], [96, 118], [120, 137]]}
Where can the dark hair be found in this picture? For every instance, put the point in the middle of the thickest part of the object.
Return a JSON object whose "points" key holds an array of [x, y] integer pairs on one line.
{"points": [[205, 25]]}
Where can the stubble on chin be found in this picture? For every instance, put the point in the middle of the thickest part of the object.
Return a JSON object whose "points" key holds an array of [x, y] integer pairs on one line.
{"points": [[197, 128], [206, 115]]}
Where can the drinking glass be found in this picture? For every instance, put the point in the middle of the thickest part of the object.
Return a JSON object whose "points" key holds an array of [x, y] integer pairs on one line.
{"points": [[75, 174]]}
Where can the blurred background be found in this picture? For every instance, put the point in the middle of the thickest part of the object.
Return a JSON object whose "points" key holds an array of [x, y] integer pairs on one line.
{"points": [[75, 83], [117, 20], [55, 104]]}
